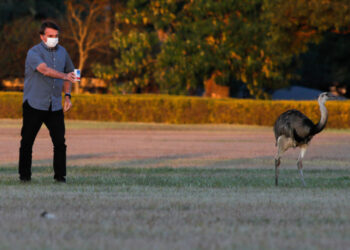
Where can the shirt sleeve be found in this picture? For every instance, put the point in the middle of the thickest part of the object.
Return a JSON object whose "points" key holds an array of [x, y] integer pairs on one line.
{"points": [[34, 59], [69, 67]]}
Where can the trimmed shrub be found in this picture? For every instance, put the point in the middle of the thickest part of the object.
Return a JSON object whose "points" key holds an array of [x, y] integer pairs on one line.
{"points": [[183, 110]]}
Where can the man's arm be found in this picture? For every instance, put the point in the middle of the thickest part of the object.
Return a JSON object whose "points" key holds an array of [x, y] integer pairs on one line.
{"points": [[67, 87], [45, 70]]}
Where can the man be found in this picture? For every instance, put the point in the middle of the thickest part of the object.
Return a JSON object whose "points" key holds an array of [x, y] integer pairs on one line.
{"points": [[48, 69]]}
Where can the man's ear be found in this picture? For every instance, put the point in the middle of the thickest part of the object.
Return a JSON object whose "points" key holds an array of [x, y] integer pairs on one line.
{"points": [[42, 37]]}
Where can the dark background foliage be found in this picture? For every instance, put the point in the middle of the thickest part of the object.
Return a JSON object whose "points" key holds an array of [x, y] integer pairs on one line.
{"points": [[174, 46]]}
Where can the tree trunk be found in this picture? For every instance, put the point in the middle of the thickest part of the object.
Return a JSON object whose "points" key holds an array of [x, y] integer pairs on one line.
{"points": [[82, 59]]}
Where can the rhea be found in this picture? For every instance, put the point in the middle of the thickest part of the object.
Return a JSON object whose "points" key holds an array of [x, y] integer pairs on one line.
{"points": [[294, 129]]}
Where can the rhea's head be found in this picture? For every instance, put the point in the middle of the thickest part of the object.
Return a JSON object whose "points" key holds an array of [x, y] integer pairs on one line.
{"points": [[323, 97]]}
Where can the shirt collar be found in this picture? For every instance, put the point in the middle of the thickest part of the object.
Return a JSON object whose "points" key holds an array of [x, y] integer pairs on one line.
{"points": [[49, 49]]}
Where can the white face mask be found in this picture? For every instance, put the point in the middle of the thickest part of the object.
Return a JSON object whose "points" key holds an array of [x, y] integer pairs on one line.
{"points": [[51, 42]]}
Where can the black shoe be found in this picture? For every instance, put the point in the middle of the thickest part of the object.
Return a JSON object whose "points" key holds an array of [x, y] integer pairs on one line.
{"points": [[25, 179], [60, 179]]}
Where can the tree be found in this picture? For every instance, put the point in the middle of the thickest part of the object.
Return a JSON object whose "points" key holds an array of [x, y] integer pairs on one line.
{"points": [[317, 30], [179, 44], [325, 63], [86, 20], [136, 48], [19, 27], [16, 38], [11, 10], [225, 39], [239, 43]]}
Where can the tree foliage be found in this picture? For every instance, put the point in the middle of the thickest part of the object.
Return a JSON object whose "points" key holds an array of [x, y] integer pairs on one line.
{"points": [[136, 47], [225, 38], [178, 44], [11, 10], [319, 31], [14, 47], [19, 31], [173, 46]]}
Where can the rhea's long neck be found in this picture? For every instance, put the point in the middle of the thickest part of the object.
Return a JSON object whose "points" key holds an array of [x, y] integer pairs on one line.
{"points": [[323, 120]]}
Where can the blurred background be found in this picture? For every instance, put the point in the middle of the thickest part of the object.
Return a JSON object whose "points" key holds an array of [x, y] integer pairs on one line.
{"points": [[260, 49]]}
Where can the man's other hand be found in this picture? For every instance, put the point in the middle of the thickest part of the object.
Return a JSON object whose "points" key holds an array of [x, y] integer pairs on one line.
{"points": [[67, 104]]}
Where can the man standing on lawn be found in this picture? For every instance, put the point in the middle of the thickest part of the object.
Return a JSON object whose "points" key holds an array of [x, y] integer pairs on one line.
{"points": [[48, 69]]}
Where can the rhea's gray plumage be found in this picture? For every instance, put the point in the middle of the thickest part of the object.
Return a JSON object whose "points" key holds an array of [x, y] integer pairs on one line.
{"points": [[294, 129]]}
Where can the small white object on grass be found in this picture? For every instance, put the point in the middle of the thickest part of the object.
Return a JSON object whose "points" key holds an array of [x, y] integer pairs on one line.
{"points": [[47, 215]]}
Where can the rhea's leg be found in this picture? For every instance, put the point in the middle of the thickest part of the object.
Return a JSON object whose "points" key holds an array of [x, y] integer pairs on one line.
{"points": [[283, 143], [300, 162], [277, 170]]}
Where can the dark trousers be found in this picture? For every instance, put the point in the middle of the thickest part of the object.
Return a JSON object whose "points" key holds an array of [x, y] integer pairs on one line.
{"points": [[32, 121]]}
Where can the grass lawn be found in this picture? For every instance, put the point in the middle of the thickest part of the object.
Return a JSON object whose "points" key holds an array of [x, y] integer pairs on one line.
{"points": [[161, 186], [175, 208]]}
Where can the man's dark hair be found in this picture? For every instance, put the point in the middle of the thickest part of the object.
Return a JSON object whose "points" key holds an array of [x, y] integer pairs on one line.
{"points": [[48, 24]]}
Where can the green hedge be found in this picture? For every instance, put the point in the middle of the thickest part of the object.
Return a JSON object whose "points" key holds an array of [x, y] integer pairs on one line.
{"points": [[183, 110]]}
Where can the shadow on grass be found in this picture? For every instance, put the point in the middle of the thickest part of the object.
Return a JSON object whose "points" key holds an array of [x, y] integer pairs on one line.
{"points": [[184, 177]]}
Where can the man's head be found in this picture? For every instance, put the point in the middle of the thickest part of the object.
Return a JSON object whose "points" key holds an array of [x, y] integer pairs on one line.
{"points": [[49, 32]]}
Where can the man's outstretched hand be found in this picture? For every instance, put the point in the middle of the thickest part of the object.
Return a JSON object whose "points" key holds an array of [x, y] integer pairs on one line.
{"points": [[70, 77]]}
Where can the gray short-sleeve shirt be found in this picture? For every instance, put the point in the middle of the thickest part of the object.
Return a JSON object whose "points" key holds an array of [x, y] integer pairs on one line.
{"points": [[39, 90]]}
